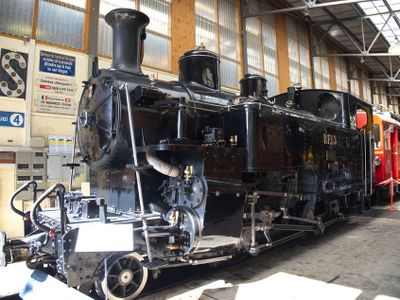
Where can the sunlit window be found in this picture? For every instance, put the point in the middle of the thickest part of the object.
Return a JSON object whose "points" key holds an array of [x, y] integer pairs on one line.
{"points": [[261, 46], [354, 84], [157, 47], [158, 40], [376, 96], [321, 66], [62, 22], [378, 13], [104, 42], [58, 22], [218, 29], [76, 3], [341, 74], [16, 17], [299, 57], [366, 87]]}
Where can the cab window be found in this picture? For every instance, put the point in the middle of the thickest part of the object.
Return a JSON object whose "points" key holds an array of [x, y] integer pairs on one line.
{"points": [[329, 107], [360, 114], [387, 137], [377, 136], [361, 118]]}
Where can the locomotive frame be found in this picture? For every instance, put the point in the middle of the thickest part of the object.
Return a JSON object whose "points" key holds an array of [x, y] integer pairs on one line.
{"points": [[184, 173]]}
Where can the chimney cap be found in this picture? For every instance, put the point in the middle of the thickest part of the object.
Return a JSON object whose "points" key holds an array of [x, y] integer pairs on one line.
{"points": [[126, 14]]}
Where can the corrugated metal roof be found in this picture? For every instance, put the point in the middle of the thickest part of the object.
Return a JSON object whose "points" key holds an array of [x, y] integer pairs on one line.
{"points": [[379, 20]]}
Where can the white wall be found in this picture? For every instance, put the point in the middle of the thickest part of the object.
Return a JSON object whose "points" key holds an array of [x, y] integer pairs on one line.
{"points": [[44, 124], [10, 136], [39, 123]]}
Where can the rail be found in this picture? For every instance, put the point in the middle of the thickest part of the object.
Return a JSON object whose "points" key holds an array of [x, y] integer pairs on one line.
{"points": [[17, 192], [60, 190], [371, 163], [124, 87]]}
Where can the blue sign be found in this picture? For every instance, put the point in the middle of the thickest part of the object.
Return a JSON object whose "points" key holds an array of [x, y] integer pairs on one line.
{"points": [[12, 119], [55, 63]]}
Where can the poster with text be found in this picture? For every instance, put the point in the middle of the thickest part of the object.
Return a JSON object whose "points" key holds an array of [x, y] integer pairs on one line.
{"points": [[56, 63], [56, 85], [56, 104]]}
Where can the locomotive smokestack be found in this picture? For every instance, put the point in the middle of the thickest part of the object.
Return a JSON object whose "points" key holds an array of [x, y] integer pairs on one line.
{"points": [[128, 36]]}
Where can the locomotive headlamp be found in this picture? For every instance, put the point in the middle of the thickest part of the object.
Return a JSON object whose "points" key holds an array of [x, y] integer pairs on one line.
{"points": [[377, 161], [83, 118]]}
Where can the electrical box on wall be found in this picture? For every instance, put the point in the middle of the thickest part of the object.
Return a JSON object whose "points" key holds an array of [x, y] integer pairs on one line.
{"points": [[55, 170], [30, 166]]}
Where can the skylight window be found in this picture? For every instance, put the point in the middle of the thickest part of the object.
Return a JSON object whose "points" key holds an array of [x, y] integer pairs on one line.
{"points": [[378, 13], [77, 3]]}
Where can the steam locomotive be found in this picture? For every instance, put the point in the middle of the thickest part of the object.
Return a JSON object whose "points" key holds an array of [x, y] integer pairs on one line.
{"points": [[185, 173]]}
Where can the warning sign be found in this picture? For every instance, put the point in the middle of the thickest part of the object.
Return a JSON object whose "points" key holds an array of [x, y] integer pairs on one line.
{"points": [[56, 85], [56, 104]]}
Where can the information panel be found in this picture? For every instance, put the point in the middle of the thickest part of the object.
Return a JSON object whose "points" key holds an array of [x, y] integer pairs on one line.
{"points": [[56, 63], [56, 85], [55, 104]]}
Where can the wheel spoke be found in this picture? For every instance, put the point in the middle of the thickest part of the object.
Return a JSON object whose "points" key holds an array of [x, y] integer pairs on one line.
{"points": [[118, 263], [125, 277], [130, 264], [134, 284], [123, 290], [136, 271], [114, 287], [123, 262]]}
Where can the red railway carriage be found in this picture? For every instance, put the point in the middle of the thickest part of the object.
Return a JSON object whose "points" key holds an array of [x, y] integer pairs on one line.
{"points": [[386, 154]]}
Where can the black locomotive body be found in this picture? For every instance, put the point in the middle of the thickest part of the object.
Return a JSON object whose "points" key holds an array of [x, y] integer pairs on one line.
{"points": [[184, 173]]}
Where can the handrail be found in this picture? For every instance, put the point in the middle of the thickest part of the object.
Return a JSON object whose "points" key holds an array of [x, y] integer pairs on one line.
{"points": [[124, 86], [60, 189], [365, 166], [17, 192], [371, 163]]}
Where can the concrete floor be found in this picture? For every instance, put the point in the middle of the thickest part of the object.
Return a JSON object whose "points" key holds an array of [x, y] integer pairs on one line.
{"points": [[356, 259], [362, 253]]}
